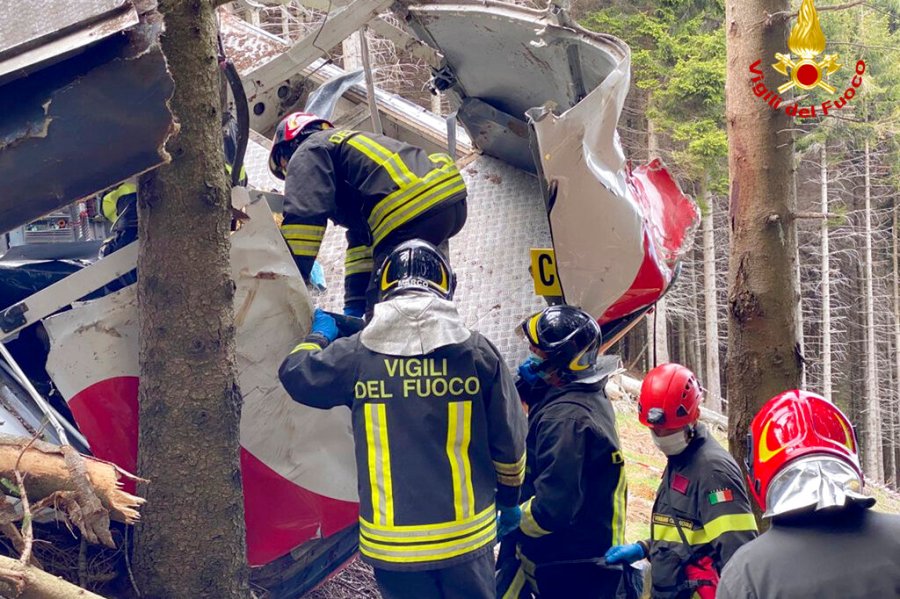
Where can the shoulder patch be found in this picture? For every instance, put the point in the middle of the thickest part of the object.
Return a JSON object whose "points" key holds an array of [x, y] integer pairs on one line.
{"points": [[721, 496], [680, 483]]}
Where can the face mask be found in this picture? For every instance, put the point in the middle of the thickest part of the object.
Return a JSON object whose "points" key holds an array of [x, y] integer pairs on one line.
{"points": [[671, 444]]}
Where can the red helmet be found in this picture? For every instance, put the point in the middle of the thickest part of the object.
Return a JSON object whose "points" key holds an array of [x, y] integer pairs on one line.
{"points": [[670, 398], [289, 134], [792, 425]]}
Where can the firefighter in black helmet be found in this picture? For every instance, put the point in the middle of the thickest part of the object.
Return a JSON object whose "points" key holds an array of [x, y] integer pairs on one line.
{"points": [[382, 190], [439, 430], [575, 490]]}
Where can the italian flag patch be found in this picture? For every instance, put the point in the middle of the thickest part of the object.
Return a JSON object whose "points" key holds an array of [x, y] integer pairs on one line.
{"points": [[721, 496]]}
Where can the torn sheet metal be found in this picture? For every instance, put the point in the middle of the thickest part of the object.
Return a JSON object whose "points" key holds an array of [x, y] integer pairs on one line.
{"points": [[83, 124], [617, 234], [512, 59], [297, 463]]}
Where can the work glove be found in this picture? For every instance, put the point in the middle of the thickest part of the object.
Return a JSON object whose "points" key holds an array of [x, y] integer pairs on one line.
{"points": [[355, 311], [323, 324], [528, 370], [317, 276], [619, 554], [508, 519]]}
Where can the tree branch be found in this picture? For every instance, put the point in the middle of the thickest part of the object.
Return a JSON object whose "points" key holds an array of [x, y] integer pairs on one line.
{"points": [[791, 15]]}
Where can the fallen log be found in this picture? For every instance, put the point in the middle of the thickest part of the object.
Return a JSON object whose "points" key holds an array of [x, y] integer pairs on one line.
{"points": [[88, 490], [623, 386], [28, 582]]}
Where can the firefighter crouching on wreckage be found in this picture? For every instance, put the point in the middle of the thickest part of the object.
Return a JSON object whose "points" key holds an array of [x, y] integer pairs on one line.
{"points": [[438, 428], [575, 491], [824, 540], [382, 190], [702, 513]]}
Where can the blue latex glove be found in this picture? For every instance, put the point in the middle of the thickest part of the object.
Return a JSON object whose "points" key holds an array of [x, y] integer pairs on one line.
{"points": [[619, 554], [317, 276], [355, 311], [528, 370], [508, 519], [324, 325]]}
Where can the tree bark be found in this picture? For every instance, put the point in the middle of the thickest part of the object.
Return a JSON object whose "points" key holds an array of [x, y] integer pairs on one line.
{"points": [[826, 279], [895, 424], [191, 541], [711, 317], [657, 326], [872, 453], [763, 358], [28, 582]]}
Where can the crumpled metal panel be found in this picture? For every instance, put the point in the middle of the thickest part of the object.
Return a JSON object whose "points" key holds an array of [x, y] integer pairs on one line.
{"points": [[24, 25], [513, 59], [81, 125], [617, 234]]}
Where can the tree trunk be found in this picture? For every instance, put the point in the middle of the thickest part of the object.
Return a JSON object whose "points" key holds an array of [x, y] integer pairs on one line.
{"points": [[695, 350], [895, 423], [872, 454], [657, 327], [826, 280], [763, 358], [711, 317], [191, 541]]}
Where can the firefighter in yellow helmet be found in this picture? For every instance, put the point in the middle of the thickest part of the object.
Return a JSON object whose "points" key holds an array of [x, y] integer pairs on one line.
{"points": [[439, 430]]}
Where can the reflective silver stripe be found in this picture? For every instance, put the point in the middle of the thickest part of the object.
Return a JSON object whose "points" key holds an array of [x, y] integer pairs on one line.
{"points": [[379, 464], [428, 532]]}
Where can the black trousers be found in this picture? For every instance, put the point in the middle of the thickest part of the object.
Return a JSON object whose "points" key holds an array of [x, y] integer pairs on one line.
{"points": [[436, 228], [473, 579]]}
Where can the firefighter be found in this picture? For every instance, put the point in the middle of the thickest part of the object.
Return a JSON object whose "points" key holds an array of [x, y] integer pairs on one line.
{"points": [[575, 491], [824, 540], [382, 190], [439, 430], [702, 512]]}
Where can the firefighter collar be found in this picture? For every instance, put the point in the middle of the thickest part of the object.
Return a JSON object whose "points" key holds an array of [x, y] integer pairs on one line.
{"points": [[413, 325]]}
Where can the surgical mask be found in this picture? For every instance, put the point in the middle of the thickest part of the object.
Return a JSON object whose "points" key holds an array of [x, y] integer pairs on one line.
{"points": [[671, 444]]}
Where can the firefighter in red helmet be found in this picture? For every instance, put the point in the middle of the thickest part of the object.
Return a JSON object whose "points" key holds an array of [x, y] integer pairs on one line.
{"points": [[382, 190], [702, 512], [824, 541]]}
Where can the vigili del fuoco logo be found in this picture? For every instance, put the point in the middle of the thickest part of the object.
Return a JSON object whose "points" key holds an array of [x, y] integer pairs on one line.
{"points": [[807, 69]]}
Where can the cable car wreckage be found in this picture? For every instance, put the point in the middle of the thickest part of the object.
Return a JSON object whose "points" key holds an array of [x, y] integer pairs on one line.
{"points": [[538, 98]]}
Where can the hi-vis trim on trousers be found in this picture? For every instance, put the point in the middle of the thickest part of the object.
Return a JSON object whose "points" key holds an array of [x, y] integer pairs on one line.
{"points": [[459, 434], [379, 454], [430, 542]]}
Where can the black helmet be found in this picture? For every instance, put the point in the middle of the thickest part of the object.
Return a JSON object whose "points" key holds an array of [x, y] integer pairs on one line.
{"points": [[566, 337], [416, 264]]}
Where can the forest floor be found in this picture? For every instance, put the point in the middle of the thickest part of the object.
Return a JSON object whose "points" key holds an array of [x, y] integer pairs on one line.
{"points": [[644, 465]]}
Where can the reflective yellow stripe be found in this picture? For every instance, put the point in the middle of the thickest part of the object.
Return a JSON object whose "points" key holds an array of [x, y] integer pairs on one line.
{"points": [[430, 551], [379, 457], [303, 231], [424, 533], [389, 161], [362, 266], [709, 533], [515, 588], [511, 475], [358, 260], [398, 198], [308, 346], [110, 201], [440, 158], [417, 206], [459, 433], [304, 248], [528, 524], [619, 509]]}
